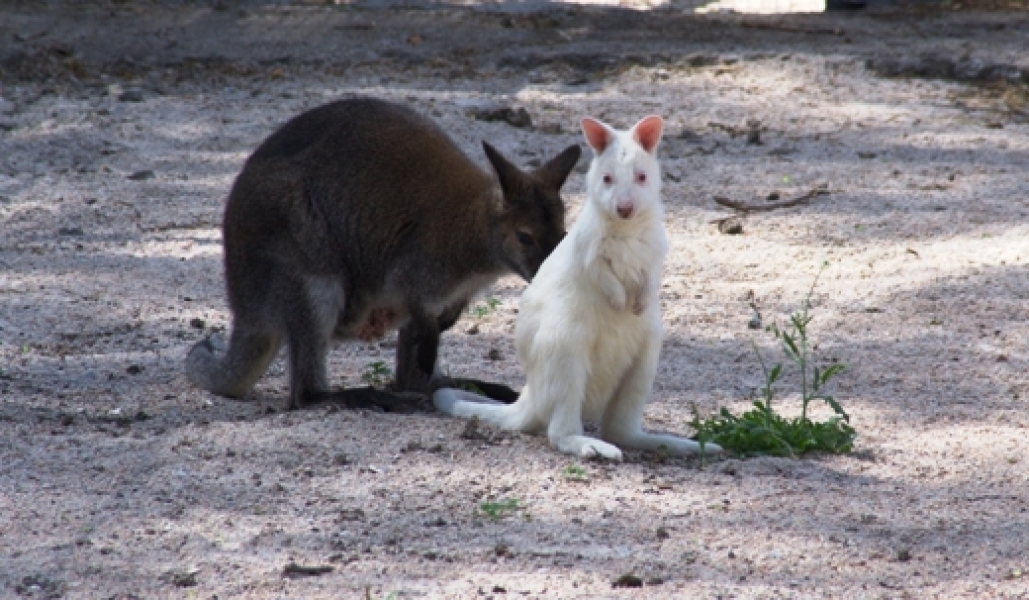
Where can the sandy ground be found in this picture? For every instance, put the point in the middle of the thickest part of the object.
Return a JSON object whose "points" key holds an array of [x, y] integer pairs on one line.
{"points": [[122, 126]]}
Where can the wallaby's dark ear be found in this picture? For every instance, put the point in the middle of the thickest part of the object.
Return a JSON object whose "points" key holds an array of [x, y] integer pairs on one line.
{"points": [[556, 170], [509, 175]]}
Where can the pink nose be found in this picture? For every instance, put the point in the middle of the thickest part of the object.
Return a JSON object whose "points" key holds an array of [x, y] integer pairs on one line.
{"points": [[624, 209]]}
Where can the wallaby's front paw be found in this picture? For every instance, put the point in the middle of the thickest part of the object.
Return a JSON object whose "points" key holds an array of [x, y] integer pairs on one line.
{"points": [[639, 304], [617, 299], [642, 296]]}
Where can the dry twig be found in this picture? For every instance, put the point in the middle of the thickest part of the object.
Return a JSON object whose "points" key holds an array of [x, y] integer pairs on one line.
{"points": [[295, 570], [745, 208], [789, 28]]}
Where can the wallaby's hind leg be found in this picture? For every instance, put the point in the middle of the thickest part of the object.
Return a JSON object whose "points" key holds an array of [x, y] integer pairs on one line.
{"points": [[315, 309], [558, 378], [406, 363], [417, 350], [232, 372], [310, 336], [622, 422], [566, 434], [307, 375]]}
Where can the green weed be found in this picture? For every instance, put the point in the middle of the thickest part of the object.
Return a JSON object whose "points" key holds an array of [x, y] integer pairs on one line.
{"points": [[485, 307], [499, 509], [376, 374], [574, 472], [762, 431], [368, 595]]}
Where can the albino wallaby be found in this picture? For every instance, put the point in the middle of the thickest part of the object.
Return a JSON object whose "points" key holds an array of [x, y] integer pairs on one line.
{"points": [[589, 325], [359, 217]]}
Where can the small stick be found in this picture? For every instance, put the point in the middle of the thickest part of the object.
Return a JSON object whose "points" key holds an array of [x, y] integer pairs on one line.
{"points": [[773, 206], [293, 569], [752, 24]]}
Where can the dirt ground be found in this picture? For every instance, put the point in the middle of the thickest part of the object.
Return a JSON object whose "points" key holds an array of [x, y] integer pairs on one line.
{"points": [[122, 126]]}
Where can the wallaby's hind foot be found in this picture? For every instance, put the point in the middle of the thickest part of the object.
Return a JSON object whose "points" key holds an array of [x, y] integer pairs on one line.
{"points": [[673, 445], [587, 447], [370, 398], [231, 370]]}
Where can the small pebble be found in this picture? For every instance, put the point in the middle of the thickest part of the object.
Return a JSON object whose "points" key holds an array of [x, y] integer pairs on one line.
{"points": [[142, 175], [731, 226], [627, 581], [131, 95]]}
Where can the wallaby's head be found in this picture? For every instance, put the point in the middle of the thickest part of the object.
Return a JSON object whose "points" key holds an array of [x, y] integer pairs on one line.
{"points": [[531, 219], [624, 179]]}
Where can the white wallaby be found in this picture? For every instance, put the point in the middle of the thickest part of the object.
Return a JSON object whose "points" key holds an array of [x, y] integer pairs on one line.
{"points": [[589, 326]]}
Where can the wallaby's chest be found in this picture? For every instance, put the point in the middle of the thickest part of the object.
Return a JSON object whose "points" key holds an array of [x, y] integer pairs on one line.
{"points": [[631, 258]]}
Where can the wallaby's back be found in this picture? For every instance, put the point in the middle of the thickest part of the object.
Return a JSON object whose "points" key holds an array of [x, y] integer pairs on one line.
{"points": [[357, 186]]}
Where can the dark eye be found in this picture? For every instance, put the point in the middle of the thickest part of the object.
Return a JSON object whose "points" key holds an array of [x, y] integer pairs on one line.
{"points": [[607, 179], [525, 239], [641, 178]]}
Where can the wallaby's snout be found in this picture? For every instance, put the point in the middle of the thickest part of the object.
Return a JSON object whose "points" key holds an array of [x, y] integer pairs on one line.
{"points": [[625, 208], [530, 244], [554, 239]]}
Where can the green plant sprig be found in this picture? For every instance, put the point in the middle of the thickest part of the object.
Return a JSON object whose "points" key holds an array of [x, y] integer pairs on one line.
{"points": [[485, 307], [498, 509], [763, 431], [574, 472], [376, 374]]}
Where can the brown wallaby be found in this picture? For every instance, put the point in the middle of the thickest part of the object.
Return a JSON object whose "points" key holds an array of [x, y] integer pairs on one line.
{"points": [[359, 217]]}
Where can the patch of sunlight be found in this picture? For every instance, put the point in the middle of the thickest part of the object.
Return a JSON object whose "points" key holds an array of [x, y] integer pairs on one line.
{"points": [[755, 7], [763, 7], [186, 244]]}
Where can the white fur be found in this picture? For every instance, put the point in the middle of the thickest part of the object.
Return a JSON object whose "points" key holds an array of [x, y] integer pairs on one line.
{"points": [[589, 327]]}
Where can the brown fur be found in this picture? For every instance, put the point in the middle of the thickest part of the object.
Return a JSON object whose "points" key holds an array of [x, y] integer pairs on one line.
{"points": [[359, 217]]}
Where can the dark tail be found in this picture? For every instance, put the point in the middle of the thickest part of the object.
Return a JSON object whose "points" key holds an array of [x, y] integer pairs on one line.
{"points": [[234, 371]]}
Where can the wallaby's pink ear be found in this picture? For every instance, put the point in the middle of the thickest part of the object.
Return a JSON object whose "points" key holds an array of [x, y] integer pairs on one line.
{"points": [[648, 132], [598, 135]]}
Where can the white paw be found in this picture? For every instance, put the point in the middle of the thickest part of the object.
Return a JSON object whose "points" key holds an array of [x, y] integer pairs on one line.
{"points": [[617, 301], [599, 449], [639, 304]]}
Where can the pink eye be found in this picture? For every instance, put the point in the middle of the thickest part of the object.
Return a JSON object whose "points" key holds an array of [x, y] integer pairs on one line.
{"points": [[641, 178], [607, 180]]}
